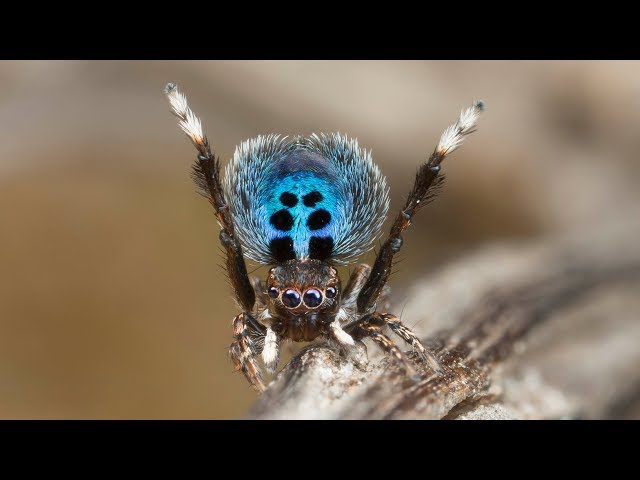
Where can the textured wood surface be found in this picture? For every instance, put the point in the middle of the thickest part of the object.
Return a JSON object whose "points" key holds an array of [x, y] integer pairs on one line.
{"points": [[548, 329]]}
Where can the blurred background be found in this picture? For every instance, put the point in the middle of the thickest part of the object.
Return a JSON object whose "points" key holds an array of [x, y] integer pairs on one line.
{"points": [[112, 303]]}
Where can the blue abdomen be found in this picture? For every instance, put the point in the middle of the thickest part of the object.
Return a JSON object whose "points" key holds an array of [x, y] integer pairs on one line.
{"points": [[318, 197], [301, 201]]}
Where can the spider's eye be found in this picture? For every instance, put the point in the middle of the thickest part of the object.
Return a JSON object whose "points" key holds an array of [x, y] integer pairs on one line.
{"points": [[330, 292], [291, 298], [273, 292], [312, 297]]}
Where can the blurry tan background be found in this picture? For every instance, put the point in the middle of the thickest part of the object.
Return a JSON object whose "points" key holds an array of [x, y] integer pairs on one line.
{"points": [[112, 304]]}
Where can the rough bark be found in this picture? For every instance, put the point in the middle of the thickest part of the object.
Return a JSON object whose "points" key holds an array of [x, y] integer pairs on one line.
{"points": [[548, 329]]}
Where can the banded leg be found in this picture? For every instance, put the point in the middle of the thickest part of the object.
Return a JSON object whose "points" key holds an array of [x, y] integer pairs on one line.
{"points": [[206, 174], [373, 330], [376, 321], [249, 342], [424, 189], [411, 338]]}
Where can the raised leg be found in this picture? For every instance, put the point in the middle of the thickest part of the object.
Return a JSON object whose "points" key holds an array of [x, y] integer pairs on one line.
{"points": [[424, 189], [206, 174], [249, 338]]}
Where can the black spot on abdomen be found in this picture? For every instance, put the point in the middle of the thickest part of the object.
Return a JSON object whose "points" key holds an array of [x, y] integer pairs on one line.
{"points": [[318, 219], [320, 247], [282, 249], [288, 199], [310, 199], [282, 220]]}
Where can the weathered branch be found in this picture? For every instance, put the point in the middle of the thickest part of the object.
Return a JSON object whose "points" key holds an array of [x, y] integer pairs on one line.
{"points": [[545, 330]]}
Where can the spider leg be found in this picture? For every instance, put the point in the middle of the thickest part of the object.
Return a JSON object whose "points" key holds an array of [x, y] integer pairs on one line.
{"points": [[349, 296], [249, 341], [260, 289], [343, 339], [374, 322], [365, 329], [411, 338], [206, 174], [271, 350], [388, 346], [354, 285], [424, 189]]}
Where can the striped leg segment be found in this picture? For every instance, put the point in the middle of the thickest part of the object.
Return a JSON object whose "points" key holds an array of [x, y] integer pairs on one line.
{"points": [[371, 326], [411, 338], [249, 341], [366, 329]]}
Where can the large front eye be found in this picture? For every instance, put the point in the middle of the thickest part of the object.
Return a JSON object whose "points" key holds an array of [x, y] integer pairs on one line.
{"points": [[291, 298], [312, 298]]}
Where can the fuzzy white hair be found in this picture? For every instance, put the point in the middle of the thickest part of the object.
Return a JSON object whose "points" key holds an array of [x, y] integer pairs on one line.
{"points": [[340, 335], [271, 351], [454, 135], [189, 123]]}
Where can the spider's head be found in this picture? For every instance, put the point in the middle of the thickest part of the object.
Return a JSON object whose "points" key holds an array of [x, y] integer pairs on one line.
{"points": [[303, 287]]}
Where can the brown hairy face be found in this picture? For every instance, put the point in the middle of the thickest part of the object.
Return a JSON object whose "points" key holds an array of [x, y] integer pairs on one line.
{"points": [[303, 286]]}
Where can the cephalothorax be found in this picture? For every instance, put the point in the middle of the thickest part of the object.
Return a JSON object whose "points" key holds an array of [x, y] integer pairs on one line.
{"points": [[304, 205]]}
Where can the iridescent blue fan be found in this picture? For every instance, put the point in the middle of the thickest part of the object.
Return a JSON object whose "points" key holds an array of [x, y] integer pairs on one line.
{"points": [[318, 197]]}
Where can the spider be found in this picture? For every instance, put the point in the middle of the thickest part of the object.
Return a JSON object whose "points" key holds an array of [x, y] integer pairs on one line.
{"points": [[303, 205]]}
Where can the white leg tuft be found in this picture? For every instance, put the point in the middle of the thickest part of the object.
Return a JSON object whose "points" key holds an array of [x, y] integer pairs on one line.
{"points": [[454, 135], [271, 351], [343, 338], [189, 123]]}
